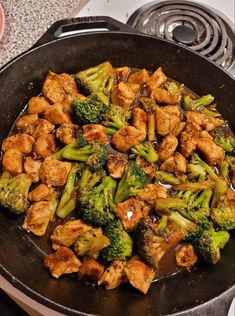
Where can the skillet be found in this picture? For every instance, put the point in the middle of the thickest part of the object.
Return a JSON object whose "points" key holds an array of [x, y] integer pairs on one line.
{"points": [[206, 291]]}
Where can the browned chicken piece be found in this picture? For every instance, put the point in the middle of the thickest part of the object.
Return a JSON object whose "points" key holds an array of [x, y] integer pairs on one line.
{"points": [[114, 275], [147, 209], [32, 167], [162, 96], [130, 213], [38, 105], [185, 256], [139, 274], [139, 77], [67, 82], [205, 121], [56, 115], [152, 192], [91, 269], [165, 122], [68, 101], [156, 79], [63, 261], [54, 172], [45, 145], [177, 164], [121, 73], [41, 126], [12, 161], [25, 123], [188, 138], [167, 147], [67, 133], [124, 94], [140, 119], [178, 128], [40, 193], [116, 165], [68, 233], [22, 142], [172, 109], [38, 217], [95, 132], [210, 150], [127, 137], [147, 167]]}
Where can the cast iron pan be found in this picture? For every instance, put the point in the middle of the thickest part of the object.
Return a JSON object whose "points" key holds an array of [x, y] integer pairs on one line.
{"points": [[206, 291]]}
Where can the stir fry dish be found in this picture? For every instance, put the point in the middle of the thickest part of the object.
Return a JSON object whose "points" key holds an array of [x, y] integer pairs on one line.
{"points": [[127, 166]]}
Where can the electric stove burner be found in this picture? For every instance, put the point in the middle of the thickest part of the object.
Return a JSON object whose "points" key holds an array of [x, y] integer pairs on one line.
{"points": [[188, 23]]}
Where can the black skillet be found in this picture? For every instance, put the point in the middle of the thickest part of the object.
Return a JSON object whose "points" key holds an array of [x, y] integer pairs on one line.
{"points": [[206, 291]]}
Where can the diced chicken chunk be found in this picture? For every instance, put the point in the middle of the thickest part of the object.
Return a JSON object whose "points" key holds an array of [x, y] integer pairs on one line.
{"points": [[177, 164], [172, 109], [90, 268], [45, 145], [41, 193], [114, 275], [166, 121], [130, 213], [38, 217], [124, 94], [140, 119], [152, 192], [67, 234], [188, 138], [95, 132], [54, 172], [127, 137], [56, 115], [178, 128], [139, 77], [205, 121], [63, 261], [147, 167], [185, 256], [210, 150], [25, 123], [38, 105], [41, 126], [22, 142], [162, 96], [156, 79], [139, 274], [32, 167], [67, 133], [121, 73], [12, 161], [167, 147], [116, 165]]}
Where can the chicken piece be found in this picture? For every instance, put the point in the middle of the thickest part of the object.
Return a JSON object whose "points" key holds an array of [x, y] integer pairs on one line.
{"points": [[25, 123], [90, 268], [67, 103], [147, 167], [67, 133], [38, 105], [139, 274], [139, 77], [114, 275], [124, 94], [185, 256], [167, 147], [67, 234], [127, 137], [172, 109], [162, 96], [54, 172], [41, 126], [63, 261], [38, 217], [22, 142], [140, 119], [188, 138], [32, 167], [45, 145], [95, 132], [178, 128], [116, 164], [152, 192], [156, 79], [56, 115], [130, 213], [67, 82], [165, 122], [121, 73], [210, 150], [205, 121], [40, 193], [12, 161], [177, 164]]}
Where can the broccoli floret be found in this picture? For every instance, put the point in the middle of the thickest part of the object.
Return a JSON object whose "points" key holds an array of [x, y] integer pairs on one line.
{"points": [[198, 104], [14, 192], [148, 104], [98, 78], [131, 183], [219, 192], [116, 118], [168, 178], [91, 243], [173, 87], [196, 172], [227, 143], [120, 242], [80, 142], [210, 243], [197, 161], [92, 109], [224, 216], [145, 150]]}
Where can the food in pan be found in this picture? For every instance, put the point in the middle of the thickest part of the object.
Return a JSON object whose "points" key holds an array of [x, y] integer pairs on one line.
{"points": [[129, 166]]}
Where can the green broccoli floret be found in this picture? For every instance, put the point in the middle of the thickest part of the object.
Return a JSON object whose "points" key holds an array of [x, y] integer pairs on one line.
{"points": [[173, 87], [197, 161], [91, 243], [224, 215], [197, 104], [116, 118], [92, 109], [219, 192], [148, 104], [120, 242], [168, 178], [227, 143], [14, 192], [145, 150], [210, 243], [131, 183], [98, 78], [196, 172]]}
